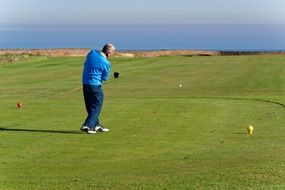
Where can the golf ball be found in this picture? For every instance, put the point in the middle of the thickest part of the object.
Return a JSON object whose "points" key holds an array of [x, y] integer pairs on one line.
{"points": [[180, 85]]}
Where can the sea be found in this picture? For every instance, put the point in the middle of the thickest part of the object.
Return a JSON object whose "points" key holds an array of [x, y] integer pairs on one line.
{"points": [[258, 37]]}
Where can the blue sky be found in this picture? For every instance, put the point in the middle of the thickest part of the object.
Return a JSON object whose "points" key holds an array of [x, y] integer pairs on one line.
{"points": [[154, 20], [128, 12]]}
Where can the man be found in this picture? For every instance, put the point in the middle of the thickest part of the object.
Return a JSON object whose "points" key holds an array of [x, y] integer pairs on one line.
{"points": [[96, 70]]}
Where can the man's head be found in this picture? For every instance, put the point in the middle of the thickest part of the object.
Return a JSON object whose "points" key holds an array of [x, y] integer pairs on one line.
{"points": [[108, 50]]}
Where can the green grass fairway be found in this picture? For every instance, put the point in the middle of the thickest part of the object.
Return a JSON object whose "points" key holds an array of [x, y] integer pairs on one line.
{"points": [[162, 136]]}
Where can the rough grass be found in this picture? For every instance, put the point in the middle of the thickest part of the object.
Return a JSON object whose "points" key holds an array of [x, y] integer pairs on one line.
{"points": [[161, 136]]}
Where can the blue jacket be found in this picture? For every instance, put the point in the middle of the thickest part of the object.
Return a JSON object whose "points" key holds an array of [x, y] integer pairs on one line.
{"points": [[96, 68]]}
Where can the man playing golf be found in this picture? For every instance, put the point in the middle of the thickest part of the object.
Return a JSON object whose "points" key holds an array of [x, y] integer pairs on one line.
{"points": [[96, 70]]}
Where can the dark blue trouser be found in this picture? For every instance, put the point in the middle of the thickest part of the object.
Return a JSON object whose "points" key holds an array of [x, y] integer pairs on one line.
{"points": [[93, 97]]}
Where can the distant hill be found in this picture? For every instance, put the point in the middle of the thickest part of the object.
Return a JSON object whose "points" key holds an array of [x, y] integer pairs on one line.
{"points": [[132, 53]]}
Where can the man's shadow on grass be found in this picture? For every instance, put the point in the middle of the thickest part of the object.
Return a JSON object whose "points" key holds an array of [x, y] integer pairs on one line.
{"points": [[40, 131]]}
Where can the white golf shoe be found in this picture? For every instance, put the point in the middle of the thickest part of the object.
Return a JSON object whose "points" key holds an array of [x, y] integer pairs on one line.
{"points": [[100, 128], [86, 129]]}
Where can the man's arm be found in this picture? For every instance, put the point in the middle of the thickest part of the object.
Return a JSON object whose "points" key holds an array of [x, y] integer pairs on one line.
{"points": [[106, 71]]}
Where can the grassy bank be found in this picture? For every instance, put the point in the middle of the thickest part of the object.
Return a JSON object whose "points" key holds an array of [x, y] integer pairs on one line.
{"points": [[162, 136]]}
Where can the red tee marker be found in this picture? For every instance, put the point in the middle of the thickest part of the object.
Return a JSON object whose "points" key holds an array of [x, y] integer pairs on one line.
{"points": [[19, 105]]}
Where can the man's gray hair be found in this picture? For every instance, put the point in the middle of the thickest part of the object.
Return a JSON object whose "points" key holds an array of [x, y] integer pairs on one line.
{"points": [[108, 48]]}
